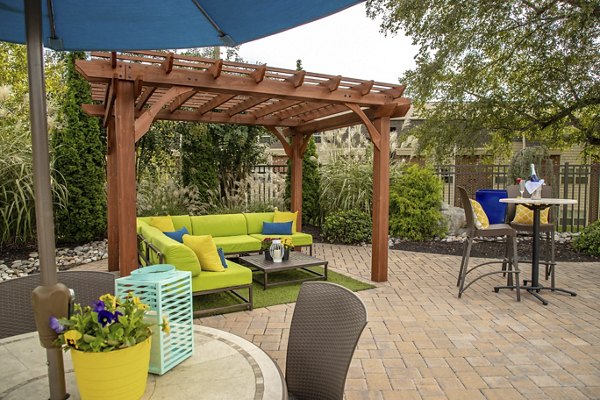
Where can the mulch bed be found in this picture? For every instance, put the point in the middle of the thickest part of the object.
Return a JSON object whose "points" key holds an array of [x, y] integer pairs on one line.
{"points": [[564, 251]]}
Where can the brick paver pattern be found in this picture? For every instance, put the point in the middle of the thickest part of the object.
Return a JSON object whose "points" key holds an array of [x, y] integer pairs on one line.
{"points": [[422, 342]]}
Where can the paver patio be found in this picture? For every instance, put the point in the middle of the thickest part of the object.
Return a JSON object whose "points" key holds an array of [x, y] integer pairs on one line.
{"points": [[422, 342]]}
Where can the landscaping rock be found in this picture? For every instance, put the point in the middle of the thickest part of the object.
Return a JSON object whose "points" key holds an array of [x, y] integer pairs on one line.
{"points": [[65, 257], [455, 218]]}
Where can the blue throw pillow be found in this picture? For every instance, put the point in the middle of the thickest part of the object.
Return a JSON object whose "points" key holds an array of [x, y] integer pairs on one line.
{"points": [[177, 235], [277, 228], [222, 257]]}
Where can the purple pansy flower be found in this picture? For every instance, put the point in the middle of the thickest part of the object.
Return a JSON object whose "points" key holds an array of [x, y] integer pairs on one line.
{"points": [[117, 313], [98, 306], [105, 317], [56, 326]]}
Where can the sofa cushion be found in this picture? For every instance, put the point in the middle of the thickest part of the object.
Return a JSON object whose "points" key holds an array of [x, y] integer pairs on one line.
{"points": [[222, 257], [234, 275], [179, 221], [298, 238], [182, 257], [254, 221], [237, 244], [148, 232], [165, 223], [205, 249], [284, 216], [219, 225], [177, 235], [479, 215], [277, 228], [524, 215], [142, 221]]}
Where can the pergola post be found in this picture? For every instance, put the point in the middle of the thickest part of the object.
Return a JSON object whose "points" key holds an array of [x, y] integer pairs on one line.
{"points": [[125, 174], [381, 201], [113, 198], [296, 184]]}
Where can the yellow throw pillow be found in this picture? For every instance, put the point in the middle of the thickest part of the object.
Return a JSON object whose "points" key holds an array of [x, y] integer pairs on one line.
{"points": [[524, 215], [165, 224], [284, 216], [481, 219], [206, 250]]}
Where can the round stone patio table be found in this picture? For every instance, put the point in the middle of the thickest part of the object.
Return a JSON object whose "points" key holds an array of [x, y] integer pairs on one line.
{"points": [[224, 366]]}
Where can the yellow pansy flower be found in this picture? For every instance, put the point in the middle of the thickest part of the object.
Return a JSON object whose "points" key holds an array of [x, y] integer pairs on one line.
{"points": [[139, 304], [166, 327], [71, 337], [109, 299]]}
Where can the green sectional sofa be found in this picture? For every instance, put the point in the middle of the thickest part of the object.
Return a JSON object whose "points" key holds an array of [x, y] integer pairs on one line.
{"points": [[234, 233]]}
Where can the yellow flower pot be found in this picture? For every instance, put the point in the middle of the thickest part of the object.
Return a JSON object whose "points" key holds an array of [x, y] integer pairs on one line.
{"points": [[115, 375]]}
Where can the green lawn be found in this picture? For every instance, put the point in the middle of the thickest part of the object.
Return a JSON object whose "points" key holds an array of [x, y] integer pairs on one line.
{"points": [[279, 294]]}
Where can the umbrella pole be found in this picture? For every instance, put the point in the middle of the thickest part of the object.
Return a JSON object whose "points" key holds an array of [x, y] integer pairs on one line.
{"points": [[41, 177]]}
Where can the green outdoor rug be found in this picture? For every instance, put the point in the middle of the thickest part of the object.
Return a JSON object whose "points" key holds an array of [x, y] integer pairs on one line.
{"points": [[278, 294]]}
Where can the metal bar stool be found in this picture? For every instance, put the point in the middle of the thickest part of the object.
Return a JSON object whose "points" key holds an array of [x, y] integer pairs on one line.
{"points": [[509, 263]]}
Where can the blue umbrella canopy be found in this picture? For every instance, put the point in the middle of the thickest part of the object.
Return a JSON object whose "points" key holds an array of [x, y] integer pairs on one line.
{"points": [[159, 24]]}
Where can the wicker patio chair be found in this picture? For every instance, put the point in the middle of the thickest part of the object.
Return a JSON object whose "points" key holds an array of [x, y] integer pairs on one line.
{"points": [[546, 230], [327, 323], [510, 261], [16, 311]]}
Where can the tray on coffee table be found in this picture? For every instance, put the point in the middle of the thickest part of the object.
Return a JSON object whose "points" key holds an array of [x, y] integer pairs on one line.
{"points": [[297, 260]]}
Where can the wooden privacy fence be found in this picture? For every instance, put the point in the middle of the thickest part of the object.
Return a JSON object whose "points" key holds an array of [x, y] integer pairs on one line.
{"points": [[572, 181], [266, 184]]}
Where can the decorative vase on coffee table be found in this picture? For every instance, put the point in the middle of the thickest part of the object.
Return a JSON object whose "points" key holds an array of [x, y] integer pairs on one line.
{"points": [[277, 250], [115, 375]]}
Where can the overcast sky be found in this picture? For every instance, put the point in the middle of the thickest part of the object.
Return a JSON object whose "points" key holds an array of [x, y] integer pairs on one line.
{"points": [[347, 43]]}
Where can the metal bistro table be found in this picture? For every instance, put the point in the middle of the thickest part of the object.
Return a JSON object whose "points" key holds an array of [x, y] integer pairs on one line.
{"points": [[297, 260], [537, 205]]}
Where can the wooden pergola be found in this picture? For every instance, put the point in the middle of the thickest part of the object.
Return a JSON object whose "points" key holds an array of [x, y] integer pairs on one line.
{"points": [[131, 90]]}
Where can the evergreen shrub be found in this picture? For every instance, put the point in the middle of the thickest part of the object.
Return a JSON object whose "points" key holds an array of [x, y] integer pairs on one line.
{"points": [[415, 205], [199, 160], [520, 163], [348, 227], [589, 240], [311, 185], [79, 162]]}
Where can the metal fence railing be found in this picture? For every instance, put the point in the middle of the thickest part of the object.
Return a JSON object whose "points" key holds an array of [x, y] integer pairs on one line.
{"points": [[570, 181], [573, 181]]}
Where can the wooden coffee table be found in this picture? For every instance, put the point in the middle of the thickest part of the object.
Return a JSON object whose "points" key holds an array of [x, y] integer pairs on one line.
{"points": [[297, 260]]}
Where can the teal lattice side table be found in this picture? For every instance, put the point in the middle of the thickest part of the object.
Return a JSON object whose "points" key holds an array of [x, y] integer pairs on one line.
{"points": [[168, 292]]}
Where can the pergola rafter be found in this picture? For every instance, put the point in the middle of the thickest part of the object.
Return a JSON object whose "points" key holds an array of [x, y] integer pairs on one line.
{"points": [[131, 90]]}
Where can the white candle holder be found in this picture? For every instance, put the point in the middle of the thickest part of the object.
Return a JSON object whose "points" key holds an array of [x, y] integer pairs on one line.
{"points": [[277, 250]]}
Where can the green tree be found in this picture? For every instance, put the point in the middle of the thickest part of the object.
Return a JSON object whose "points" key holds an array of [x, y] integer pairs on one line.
{"points": [[520, 163], [79, 161], [237, 150], [311, 184], [199, 160], [217, 157], [158, 150], [501, 69]]}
